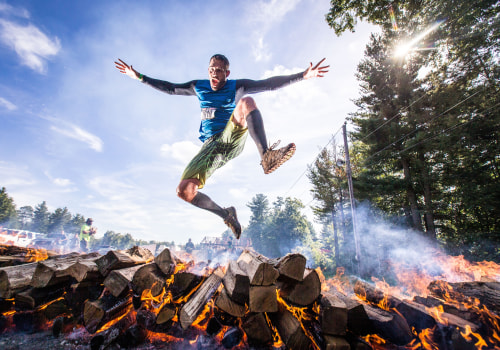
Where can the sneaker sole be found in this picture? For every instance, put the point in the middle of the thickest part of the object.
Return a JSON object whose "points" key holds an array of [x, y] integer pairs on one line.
{"points": [[287, 156]]}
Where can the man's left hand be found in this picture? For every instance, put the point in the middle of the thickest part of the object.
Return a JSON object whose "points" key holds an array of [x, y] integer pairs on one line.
{"points": [[316, 71]]}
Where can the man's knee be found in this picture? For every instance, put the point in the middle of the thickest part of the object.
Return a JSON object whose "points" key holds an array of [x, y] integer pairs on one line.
{"points": [[244, 107], [187, 189]]}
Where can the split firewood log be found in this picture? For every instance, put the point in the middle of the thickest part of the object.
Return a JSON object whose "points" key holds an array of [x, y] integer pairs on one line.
{"points": [[184, 283], [150, 277], [119, 259], [416, 315], [358, 321], [291, 266], [301, 293], [118, 281], [333, 315], [263, 299], [78, 293], [236, 283], [166, 313], [99, 312], [333, 342], [390, 326], [14, 279], [34, 297], [56, 270], [257, 329], [166, 261], [258, 268], [289, 329], [232, 337], [488, 293], [190, 311], [104, 339], [228, 305], [85, 269]]}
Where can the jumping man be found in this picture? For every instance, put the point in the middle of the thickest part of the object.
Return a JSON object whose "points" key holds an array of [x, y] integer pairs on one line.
{"points": [[226, 115]]}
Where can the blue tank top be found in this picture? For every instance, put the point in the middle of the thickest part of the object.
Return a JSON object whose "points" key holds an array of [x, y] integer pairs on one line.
{"points": [[216, 107]]}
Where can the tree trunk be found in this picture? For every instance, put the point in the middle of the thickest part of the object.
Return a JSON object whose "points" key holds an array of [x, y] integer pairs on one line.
{"points": [[429, 210], [412, 197]]}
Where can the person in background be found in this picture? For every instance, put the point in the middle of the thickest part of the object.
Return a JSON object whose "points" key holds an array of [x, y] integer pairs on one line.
{"points": [[189, 246], [85, 232]]}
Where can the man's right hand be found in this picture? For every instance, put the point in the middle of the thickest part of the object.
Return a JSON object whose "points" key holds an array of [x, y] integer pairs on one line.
{"points": [[126, 69]]}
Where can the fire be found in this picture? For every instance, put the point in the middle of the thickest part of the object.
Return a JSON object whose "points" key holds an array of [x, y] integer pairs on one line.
{"points": [[467, 336], [340, 282], [34, 255], [375, 341], [277, 342]]}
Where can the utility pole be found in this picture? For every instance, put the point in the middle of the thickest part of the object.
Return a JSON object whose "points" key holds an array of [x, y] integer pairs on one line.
{"points": [[351, 195]]}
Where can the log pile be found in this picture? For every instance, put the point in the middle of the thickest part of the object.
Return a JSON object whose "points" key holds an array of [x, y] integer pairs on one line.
{"points": [[129, 297]]}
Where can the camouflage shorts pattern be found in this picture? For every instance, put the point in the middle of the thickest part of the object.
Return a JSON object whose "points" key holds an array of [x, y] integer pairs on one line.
{"points": [[215, 152]]}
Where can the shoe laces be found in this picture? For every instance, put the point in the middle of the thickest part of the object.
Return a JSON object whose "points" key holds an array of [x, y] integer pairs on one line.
{"points": [[271, 148]]}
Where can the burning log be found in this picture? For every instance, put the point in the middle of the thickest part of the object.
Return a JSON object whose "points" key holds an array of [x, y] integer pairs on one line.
{"points": [[488, 293], [148, 277], [236, 283], [11, 255], [226, 304], [302, 293], [263, 299], [290, 329], [79, 293], [390, 326], [416, 315], [184, 283], [99, 312], [166, 261], [232, 337], [166, 314], [103, 339], [291, 266], [333, 315], [336, 343], [190, 311], [56, 270], [35, 297], [257, 329], [14, 279], [258, 268], [119, 259], [375, 296], [358, 321], [118, 281]]}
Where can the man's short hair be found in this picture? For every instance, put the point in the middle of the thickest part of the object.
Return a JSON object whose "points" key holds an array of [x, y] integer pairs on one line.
{"points": [[222, 58]]}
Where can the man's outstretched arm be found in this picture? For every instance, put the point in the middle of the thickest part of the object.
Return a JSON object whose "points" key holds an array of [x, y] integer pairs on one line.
{"points": [[162, 85], [253, 86]]}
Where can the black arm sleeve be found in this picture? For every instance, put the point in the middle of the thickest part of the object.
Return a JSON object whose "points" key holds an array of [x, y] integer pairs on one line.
{"points": [[269, 84], [186, 89]]}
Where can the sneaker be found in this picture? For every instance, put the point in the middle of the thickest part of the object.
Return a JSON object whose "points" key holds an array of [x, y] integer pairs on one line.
{"points": [[232, 222], [272, 159]]}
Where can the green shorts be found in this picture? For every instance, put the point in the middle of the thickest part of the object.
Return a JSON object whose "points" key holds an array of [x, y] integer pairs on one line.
{"points": [[215, 152]]}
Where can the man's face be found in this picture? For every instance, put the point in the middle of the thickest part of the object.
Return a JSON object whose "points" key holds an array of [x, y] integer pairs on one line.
{"points": [[217, 74]]}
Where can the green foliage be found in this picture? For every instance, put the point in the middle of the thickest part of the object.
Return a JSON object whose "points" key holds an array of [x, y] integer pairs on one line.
{"points": [[277, 231], [8, 212], [426, 125]]}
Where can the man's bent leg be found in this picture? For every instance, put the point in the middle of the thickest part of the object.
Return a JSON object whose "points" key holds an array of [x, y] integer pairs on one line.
{"points": [[246, 112], [188, 190]]}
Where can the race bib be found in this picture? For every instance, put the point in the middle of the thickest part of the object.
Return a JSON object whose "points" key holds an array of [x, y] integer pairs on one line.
{"points": [[208, 113]]}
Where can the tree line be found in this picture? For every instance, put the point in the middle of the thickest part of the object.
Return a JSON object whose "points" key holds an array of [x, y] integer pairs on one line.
{"points": [[39, 219]]}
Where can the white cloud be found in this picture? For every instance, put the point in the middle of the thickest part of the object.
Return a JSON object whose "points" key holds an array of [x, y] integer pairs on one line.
{"points": [[182, 151], [7, 104], [16, 11], [81, 135], [264, 15], [31, 45]]}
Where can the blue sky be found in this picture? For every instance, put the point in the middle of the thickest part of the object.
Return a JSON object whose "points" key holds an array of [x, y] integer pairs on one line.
{"points": [[78, 134]]}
